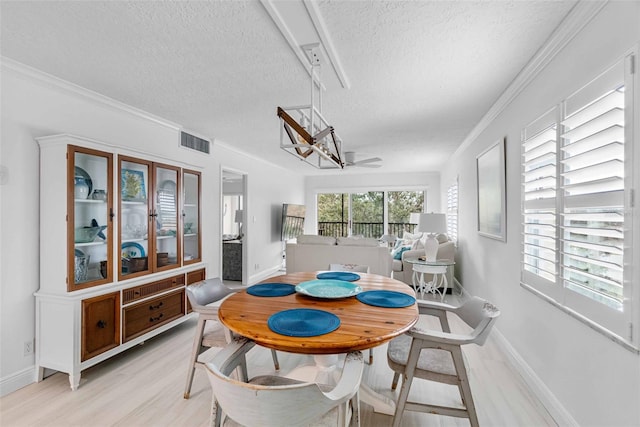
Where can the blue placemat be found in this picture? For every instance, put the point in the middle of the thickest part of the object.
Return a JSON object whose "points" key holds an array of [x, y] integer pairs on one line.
{"points": [[271, 290], [339, 275], [388, 299], [303, 322]]}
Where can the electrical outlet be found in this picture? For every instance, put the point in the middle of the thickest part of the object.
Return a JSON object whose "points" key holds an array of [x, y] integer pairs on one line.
{"points": [[256, 267], [28, 347]]}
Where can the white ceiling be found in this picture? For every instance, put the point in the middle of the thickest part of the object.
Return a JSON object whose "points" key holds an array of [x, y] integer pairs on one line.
{"points": [[422, 73]]}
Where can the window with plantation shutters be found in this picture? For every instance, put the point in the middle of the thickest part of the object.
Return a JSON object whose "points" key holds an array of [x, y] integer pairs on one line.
{"points": [[576, 188], [539, 183], [452, 212], [592, 227]]}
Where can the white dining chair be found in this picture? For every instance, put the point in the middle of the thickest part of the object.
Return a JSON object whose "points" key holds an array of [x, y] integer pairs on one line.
{"points": [[437, 356], [201, 296], [349, 267], [272, 401]]}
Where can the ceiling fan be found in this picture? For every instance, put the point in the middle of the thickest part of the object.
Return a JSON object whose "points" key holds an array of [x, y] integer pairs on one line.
{"points": [[350, 160]]}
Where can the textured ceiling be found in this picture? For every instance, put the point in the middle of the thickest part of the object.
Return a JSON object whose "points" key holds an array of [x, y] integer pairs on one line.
{"points": [[422, 73]]}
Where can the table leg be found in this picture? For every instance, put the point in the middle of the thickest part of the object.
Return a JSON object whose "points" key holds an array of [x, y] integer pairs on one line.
{"points": [[324, 371], [445, 283]]}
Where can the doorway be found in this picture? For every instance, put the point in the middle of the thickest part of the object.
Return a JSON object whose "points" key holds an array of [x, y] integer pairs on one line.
{"points": [[233, 250]]}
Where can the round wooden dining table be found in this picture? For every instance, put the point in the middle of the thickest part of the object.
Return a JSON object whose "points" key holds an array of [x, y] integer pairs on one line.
{"points": [[361, 327]]}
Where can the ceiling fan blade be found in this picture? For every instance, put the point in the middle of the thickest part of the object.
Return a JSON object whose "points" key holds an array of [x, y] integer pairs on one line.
{"points": [[368, 165], [371, 160]]}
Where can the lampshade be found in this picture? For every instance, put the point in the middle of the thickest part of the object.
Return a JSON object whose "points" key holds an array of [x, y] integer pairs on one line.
{"points": [[414, 218], [239, 215], [432, 223]]}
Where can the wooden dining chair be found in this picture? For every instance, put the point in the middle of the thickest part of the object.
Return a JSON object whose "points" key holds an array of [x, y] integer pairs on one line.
{"points": [[201, 295], [267, 401], [437, 355]]}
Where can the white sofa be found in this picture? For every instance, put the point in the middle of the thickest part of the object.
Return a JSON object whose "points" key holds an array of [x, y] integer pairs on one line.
{"points": [[315, 253]]}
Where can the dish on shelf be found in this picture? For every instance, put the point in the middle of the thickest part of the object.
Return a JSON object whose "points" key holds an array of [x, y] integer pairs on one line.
{"points": [[81, 176], [328, 288], [132, 250], [168, 186], [87, 234]]}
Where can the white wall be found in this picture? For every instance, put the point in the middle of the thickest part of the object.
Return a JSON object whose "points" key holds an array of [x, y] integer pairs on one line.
{"points": [[33, 106], [595, 380], [429, 182]]}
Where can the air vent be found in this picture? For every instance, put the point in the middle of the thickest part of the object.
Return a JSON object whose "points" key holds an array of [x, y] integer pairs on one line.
{"points": [[193, 142]]}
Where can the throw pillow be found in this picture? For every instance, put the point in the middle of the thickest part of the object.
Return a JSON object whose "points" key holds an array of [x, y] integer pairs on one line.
{"points": [[442, 238], [400, 251]]}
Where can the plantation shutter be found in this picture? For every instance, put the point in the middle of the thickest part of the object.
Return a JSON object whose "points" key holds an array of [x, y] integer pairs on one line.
{"points": [[539, 190], [452, 211], [593, 183]]}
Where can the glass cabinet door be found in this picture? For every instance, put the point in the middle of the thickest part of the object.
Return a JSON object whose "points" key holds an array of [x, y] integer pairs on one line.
{"points": [[191, 217], [90, 217], [135, 217], [168, 250]]}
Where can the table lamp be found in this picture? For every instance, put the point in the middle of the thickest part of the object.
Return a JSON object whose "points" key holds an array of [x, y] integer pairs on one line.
{"points": [[414, 218], [433, 224], [238, 220]]}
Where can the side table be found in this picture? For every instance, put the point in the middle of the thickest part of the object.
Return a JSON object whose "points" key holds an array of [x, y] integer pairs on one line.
{"points": [[438, 269]]}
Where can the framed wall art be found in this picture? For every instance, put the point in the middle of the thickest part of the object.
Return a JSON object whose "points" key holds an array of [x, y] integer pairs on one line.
{"points": [[490, 167]]}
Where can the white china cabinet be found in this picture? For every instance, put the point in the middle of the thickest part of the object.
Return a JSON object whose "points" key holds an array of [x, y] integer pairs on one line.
{"points": [[119, 241]]}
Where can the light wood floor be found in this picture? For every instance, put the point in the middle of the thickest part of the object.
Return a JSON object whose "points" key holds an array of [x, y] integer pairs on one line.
{"points": [[144, 387]]}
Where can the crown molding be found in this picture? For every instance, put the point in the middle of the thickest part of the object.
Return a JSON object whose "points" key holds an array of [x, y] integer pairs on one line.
{"points": [[52, 81], [577, 18]]}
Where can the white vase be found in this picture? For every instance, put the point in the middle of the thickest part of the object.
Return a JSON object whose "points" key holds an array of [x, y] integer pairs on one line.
{"points": [[81, 189]]}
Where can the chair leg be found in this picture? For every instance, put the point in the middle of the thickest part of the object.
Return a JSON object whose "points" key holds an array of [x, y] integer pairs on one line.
{"points": [[370, 356], [394, 383], [274, 356], [195, 352], [464, 387], [407, 379]]}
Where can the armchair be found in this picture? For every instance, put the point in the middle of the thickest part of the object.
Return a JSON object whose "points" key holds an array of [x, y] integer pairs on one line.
{"points": [[403, 271]]}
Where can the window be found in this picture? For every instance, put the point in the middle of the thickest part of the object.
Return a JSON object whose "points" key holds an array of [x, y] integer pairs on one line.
{"points": [[367, 213], [452, 212], [576, 188]]}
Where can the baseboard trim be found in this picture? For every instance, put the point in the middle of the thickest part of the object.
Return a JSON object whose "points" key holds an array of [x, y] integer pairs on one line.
{"points": [[264, 274], [557, 411], [17, 380], [539, 389]]}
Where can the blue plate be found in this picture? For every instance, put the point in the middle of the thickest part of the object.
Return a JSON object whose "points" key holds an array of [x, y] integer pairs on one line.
{"points": [[339, 275], [387, 299], [303, 322], [78, 253], [271, 290], [328, 288], [132, 250]]}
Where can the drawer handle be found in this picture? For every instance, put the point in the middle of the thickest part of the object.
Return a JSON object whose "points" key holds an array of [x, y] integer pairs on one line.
{"points": [[155, 307], [153, 319], [101, 324]]}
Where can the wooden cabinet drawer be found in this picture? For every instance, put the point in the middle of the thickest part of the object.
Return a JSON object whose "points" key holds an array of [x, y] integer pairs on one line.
{"points": [[100, 325], [194, 277], [139, 292], [142, 317]]}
